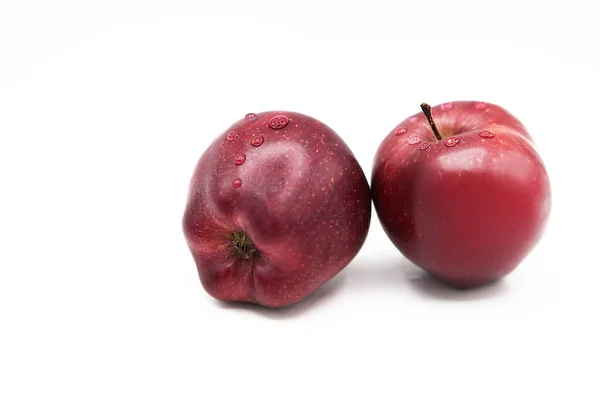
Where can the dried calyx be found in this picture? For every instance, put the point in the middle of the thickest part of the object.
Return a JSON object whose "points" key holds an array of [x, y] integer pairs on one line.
{"points": [[241, 245]]}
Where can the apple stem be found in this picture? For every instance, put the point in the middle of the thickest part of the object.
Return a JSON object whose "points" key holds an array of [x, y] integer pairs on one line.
{"points": [[427, 111]]}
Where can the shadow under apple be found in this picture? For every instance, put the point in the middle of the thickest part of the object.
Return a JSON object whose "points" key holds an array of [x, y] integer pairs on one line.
{"points": [[428, 286], [376, 274]]}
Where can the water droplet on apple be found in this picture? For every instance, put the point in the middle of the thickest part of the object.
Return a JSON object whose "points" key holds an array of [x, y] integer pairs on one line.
{"points": [[414, 140], [239, 159], [487, 134], [236, 183], [425, 146], [401, 131], [480, 105], [250, 116], [278, 122], [451, 141], [232, 135], [446, 106], [412, 120], [257, 141]]}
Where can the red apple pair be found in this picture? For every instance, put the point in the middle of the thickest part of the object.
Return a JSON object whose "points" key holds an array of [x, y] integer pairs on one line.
{"points": [[278, 204]]}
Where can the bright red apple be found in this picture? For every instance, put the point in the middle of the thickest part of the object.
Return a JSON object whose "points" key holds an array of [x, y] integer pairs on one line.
{"points": [[462, 193], [277, 206]]}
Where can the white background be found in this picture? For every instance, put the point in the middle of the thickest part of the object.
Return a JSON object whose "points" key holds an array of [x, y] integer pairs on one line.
{"points": [[106, 106]]}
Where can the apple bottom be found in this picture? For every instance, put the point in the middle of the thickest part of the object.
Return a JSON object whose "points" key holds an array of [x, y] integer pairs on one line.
{"points": [[233, 268], [467, 277], [269, 258], [258, 281], [465, 264], [471, 229]]}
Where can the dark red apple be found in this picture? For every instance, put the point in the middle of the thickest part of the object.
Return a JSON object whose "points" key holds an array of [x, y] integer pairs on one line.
{"points": [[277, 206], [466, 200]]}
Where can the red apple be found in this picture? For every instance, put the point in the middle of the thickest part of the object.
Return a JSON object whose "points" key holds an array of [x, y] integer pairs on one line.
{"points": [[277, 206], [466, 200]]}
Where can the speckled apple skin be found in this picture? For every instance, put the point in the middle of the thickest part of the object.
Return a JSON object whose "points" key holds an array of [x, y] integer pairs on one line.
{"points": [[300, 196], [468, 208]]}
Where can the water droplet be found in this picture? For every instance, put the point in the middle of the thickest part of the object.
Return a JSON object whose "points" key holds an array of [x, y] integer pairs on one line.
{"points": [[425, 146], [232, 135], [250, 116], [414, 140], [400, 131], [451, 141], [236, 183], [279, 122], [487, 134], [412, 120], [480, 105], [257, 141], [446, 106], [239, 159]]}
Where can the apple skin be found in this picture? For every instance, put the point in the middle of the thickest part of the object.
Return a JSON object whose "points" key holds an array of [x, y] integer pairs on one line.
{"points": [[299, 196], [470, 211]]}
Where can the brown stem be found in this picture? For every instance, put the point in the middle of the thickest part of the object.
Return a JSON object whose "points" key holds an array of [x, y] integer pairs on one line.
{"points": [[427, 111]]}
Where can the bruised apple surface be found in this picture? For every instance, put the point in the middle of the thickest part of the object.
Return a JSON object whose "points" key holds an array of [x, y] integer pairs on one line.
{"points": [[277, 206]]}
